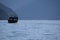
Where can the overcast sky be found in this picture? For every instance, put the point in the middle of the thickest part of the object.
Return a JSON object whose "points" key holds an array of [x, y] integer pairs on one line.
{"points": [[35, 9]]}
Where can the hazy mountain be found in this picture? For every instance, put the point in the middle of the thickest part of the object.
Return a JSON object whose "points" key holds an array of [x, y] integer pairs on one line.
{"points": [[6, 12]]}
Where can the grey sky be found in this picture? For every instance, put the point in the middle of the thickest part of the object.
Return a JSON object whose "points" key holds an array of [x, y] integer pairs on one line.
{"points": [[35, 9]]}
